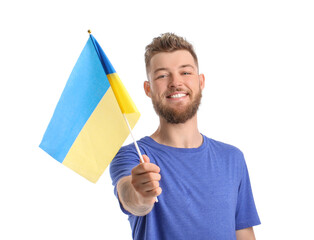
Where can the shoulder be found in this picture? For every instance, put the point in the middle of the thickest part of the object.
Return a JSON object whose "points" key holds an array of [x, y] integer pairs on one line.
{"points": [[230, 158], [221, 146], [224, 150]]}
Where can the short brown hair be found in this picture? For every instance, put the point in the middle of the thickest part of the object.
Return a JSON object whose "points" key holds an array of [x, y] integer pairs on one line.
{"points": [[167, 42]]}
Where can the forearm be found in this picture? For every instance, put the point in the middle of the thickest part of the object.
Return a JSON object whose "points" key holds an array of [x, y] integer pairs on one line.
{"points": [[245, 234], [130, 200]]}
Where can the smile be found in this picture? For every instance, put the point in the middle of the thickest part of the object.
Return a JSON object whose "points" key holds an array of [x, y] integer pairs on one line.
{"points": [[177, 95]]}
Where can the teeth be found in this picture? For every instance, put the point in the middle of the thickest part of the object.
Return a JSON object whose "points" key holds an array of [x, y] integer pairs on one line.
{"points": [[178, 95]]}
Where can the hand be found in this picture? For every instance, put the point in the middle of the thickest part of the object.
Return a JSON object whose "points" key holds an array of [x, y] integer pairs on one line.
{"points": [[145, 180]]}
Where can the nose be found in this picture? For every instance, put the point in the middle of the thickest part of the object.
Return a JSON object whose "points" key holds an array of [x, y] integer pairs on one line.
{"points": [[175, 81]]}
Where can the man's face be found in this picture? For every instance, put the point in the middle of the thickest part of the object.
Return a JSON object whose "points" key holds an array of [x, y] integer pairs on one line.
{"points": [[174, 86]]}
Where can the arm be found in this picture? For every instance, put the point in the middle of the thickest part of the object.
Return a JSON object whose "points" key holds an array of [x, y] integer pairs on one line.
{"points": [[245, 234], [137, 192]]}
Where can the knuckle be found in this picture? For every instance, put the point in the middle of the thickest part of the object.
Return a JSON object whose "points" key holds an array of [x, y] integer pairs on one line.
{"points": [[133, 171], [158, 191], [159, 177], [155, 184], [150, 176], [145, 167]]}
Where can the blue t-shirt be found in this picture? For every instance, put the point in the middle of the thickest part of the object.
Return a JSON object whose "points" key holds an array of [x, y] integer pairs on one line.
{"points": [[206, 191]]}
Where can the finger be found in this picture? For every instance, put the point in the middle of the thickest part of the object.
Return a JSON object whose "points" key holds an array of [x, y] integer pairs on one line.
{"points": [[149, 186], [139, 180], [156, 191], [148, 177], [144, 168], [153, 193], [145, 158]]}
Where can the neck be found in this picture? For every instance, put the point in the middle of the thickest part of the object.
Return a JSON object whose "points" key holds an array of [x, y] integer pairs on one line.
{"points": [[183, 135]]}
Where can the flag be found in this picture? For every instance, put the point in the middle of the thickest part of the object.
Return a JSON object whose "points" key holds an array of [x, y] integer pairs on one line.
{"points": [[87, 127]]}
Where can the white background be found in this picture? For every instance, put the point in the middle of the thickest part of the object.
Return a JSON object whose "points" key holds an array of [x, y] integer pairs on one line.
{"points": [[257, 57]]}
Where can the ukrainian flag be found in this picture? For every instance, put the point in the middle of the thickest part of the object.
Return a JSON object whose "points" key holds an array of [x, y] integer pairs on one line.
{"points": [[88, 128]]}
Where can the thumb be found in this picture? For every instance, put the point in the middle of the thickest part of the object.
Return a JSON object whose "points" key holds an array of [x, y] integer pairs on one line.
{"points": [[146, 158]]}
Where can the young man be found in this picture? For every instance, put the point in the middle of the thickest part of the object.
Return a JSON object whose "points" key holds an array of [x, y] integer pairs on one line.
{"points": [[202, 185]]}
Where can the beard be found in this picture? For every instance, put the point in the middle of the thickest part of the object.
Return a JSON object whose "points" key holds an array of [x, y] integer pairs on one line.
{"points": [[180, 114]]}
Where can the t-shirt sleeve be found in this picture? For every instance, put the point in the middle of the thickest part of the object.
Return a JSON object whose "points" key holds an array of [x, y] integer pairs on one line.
{"points": [[121, 166], [246, 213]]}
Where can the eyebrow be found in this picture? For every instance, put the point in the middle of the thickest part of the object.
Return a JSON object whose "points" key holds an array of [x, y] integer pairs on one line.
{"points": [[166, 69], [187, 65], [161, 69]]}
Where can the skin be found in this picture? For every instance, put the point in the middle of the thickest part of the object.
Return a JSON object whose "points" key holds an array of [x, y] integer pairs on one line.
{"points": [[245, 234], [173, 80]]}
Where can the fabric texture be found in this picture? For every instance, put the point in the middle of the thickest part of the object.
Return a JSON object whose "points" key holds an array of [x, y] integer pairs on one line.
{"points": [[206, 191]]}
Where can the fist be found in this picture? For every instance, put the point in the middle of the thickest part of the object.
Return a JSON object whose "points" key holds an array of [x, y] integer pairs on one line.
{"points": [[145, 180]]}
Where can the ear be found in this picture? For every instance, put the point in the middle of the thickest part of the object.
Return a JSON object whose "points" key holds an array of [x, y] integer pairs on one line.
{"points": [[202, 81], [147, 88]]}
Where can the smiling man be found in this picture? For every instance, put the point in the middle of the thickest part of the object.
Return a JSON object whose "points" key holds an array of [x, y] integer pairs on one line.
{"points": [[178, 103], [203, 186]]}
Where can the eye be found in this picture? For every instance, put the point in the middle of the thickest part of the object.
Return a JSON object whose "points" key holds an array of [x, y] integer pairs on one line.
{"points": [[161, 76], [186, 73]]}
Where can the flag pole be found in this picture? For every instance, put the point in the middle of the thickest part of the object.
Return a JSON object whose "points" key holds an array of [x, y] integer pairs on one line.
{"points": [[135, 143]]}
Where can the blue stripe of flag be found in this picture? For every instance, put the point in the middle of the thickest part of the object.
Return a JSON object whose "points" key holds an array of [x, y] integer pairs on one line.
{"points": [[102, 57], [85, 88]]}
